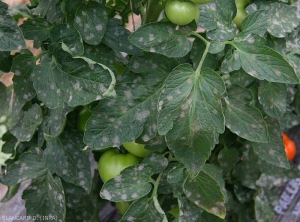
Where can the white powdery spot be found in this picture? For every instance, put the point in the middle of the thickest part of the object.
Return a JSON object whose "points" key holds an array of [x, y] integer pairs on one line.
{"points": [[99, 27], [124, 197], [142, 116], [160, 104], [106, 194], [141, 167], [169, 97], [134, 195], [118, 178]]}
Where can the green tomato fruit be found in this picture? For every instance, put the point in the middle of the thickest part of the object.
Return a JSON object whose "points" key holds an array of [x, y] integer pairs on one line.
{"points": [[122, 207], [111, 163], [83, 117], [174, 211], [201, 1], [241, 4], [181, 13], [136, 149], [240, 15]]}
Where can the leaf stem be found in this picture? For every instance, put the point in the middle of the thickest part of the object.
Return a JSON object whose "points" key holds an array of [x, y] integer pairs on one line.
{"points": [[200, 37], [156, 183], [198, 70]]}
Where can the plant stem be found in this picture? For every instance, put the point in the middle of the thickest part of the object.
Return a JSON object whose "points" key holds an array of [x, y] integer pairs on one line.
{"points": [[198, 70]]}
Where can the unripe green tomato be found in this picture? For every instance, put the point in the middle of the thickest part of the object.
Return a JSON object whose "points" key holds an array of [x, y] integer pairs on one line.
{"points": [[136, 149], [174, 211], [201, 1], [181, 12], [242, 3], [240, 15], [111, 163], [83, 117], [122, 207]]}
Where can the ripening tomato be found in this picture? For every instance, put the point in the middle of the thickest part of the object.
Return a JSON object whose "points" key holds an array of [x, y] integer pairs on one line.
{"points": [[289, 146], [181, 12]]}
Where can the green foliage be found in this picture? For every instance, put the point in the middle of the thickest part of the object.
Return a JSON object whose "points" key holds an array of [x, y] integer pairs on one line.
{"points": [[209, 106]]}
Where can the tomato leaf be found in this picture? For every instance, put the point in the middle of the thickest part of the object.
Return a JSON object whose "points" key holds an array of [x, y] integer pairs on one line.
{"points": [[116, 37], [216, 17], [5, 62], [22, 67], [134, 111], [157, 161], [162, 38], [273, 151], [185, 205], [228, 158], [45, 196], [143, 210], [11, 37], [55, 122], [91, 21], [26, 127], [263, 210], [90, 83], [68, 37], [255, 23], [206, 193], [132, 183], [64, 156], [282, 19], [190, 114], [29, 166], [37, 29], [260, 62], [243, 119], [207, 217], [3, 8], [273, 97]]}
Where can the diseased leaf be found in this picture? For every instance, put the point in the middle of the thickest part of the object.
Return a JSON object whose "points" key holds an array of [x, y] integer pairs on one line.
{"points": [[26, 127], [216, 17], [162, 38], [157, 161], [205, 192], [88, 84], [45, 196], [116, 37], [188, 210], [64, 156], [56, 122], [273, 97], [131, 184], [282, 18], [261, 62], [228, 158], [91, 21], [22, 67], [242, 119], [3, 8], [272, 152], [134, 111], [43, 7], [37, 29], [255, 23], [11, 37], [263, 210], [190, 114], [29, 166], [143, 210], [69, 38]]}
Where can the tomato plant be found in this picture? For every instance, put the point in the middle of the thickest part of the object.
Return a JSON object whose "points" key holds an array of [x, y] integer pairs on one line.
{"points": [[289, 147], [209, 98], [188, 12], [136, 149]]}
